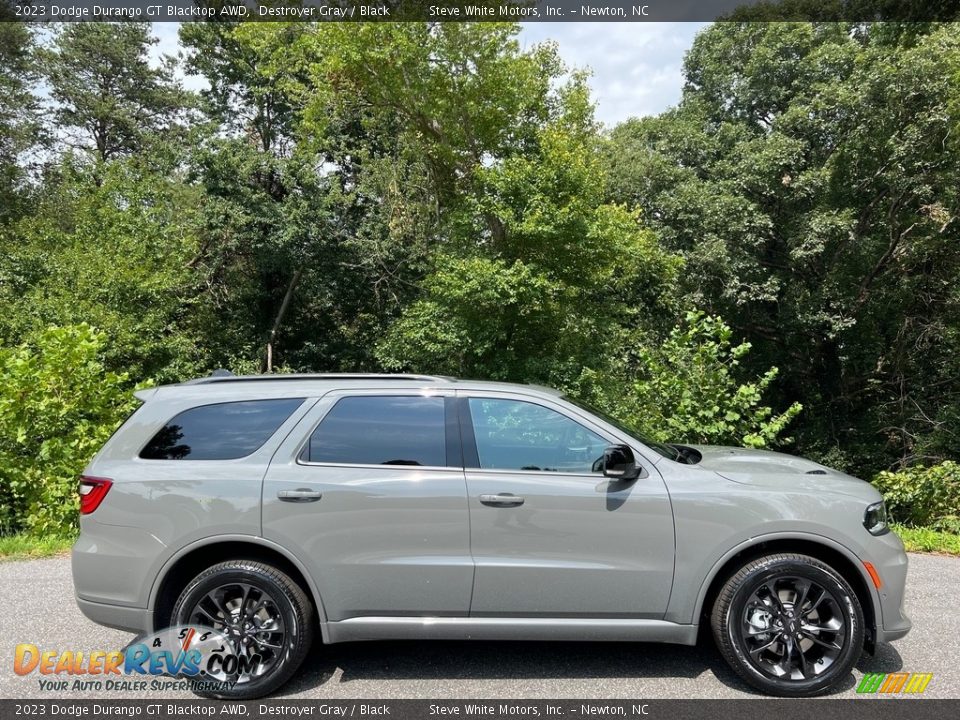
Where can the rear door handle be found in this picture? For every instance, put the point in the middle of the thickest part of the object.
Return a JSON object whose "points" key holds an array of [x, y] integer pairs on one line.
{"points": [[502, 500], [300, 495]]}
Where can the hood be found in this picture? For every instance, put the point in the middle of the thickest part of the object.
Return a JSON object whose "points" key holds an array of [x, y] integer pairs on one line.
{"points": [[772, 469]]}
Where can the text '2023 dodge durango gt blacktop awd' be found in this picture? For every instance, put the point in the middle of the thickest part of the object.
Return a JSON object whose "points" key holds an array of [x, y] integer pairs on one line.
{"points": [[359, 507]]}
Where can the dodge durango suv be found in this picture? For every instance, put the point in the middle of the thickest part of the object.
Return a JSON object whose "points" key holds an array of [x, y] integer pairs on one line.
{"points": [[280, 511]]}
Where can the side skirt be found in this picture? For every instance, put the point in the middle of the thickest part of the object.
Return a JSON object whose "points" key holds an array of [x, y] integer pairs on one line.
{"points": [[566, 629]]}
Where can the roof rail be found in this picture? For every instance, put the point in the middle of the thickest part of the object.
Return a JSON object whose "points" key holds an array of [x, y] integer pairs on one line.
{"points": [[218, 378]]}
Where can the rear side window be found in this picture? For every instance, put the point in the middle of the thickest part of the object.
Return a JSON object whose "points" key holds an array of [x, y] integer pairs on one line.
{"points": [[224, 431], [389, 430]]}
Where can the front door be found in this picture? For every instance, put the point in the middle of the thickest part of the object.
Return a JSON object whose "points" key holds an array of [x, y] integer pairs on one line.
{"points": [[551, 536], [369, 493]]}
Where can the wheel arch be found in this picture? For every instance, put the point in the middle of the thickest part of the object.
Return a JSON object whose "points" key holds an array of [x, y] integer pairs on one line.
{"points": [[193, 559], [837, 556]]}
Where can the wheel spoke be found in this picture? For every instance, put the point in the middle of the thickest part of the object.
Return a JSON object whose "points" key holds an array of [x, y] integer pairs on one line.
{"points": [[818, 628], [815, 604], [787, 655], [217, 598], [803, 660], [801, 598], [203, 611], [244, 599], [760, 648], [771, 588], [824, 643]]}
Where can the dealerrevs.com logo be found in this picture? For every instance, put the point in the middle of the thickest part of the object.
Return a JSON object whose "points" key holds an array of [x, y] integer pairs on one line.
{"points": [[891, 683], [195, 656]]}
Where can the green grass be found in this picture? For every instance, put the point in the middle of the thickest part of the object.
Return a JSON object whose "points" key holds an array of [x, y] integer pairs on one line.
{"points": [[927, 540], [24, 547]]}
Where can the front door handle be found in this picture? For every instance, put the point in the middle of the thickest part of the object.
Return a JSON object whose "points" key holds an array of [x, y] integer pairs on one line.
{"points": [[300, 495], [502, 500]]}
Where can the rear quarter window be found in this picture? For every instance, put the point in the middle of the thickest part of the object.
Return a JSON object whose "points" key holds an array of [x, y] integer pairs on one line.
{"points": [[381, 430], [221, 431]]}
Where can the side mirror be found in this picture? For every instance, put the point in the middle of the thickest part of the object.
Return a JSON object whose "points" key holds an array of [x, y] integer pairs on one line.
{"points": [[619, 463]]}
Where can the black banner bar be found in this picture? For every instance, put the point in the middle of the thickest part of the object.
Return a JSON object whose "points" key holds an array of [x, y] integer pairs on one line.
{"points": [[481, 11], [872, 707]]}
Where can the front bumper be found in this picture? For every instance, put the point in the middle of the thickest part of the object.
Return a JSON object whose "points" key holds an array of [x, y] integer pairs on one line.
{"points": [[890, 560]]}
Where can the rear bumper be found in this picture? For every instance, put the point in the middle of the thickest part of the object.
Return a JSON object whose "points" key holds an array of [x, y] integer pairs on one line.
{"points": [[111, 575], [114, 564], [129, 619]]}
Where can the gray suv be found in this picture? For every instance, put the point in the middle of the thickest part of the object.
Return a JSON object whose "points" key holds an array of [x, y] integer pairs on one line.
{"points": [[273, 509]]}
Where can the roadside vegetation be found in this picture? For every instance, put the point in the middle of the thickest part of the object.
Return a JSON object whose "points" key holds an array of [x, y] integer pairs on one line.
{"points": [[24, 546], [772, 262]]}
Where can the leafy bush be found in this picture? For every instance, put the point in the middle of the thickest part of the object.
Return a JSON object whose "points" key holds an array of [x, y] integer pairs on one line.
{"points": [[687, 389], [923, 496], [57, 406]]}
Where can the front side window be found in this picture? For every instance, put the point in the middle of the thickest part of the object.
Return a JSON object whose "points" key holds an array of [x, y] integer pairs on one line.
{"points": [[387, 430], [223, 431], [517, 435]]}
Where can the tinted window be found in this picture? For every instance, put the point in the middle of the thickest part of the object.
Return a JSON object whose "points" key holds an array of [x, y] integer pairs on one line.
{"points": [[515, 435], [381, 431], [224, 431]]}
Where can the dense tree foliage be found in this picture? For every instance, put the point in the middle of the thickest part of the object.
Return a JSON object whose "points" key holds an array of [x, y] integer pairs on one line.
{"points": [[809, 178], [20, 129], [773, 262], [110, 101]]}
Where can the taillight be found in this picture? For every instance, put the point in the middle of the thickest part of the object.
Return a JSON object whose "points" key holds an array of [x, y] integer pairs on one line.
{"points": [[92, 492]]}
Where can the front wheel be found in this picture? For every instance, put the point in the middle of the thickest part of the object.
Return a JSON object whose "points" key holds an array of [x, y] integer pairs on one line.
{"points": [[789, 625], [264, 614]]}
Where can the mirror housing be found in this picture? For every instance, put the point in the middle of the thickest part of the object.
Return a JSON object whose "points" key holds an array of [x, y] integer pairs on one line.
{"points": [[619, 463]]}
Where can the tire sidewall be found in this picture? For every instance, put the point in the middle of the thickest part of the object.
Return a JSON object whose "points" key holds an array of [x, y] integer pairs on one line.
{"points": [[853, 616], [277, 675]]}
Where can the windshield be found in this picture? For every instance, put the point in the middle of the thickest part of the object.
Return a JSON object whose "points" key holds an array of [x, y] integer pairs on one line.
{"points": [[668, 451]]}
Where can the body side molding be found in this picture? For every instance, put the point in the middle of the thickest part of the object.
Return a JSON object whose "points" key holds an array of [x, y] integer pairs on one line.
{"points": [[455, 628]]}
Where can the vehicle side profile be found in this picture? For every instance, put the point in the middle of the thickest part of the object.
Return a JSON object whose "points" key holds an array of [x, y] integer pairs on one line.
{"points": [[282, 509]]}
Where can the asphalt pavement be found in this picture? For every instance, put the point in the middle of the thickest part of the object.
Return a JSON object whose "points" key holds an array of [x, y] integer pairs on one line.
{"points": [[37, 606]]}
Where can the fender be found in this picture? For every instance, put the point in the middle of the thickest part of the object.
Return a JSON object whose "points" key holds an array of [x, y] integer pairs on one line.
{"points": [[811, 537], [252, 540]]}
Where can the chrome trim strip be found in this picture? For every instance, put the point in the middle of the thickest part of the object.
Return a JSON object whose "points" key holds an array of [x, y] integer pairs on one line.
{"points": [[481, 628]]}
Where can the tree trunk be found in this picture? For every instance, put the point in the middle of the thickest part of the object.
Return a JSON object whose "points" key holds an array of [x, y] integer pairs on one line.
{"points": [[279, 319]]}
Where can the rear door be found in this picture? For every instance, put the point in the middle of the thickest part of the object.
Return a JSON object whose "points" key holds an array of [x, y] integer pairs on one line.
{"points": [[551, 536], [369, 493]]}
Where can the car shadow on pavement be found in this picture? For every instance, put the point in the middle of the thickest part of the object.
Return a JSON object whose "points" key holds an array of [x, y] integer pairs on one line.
{"points": [[546, 661], [885, 660]]}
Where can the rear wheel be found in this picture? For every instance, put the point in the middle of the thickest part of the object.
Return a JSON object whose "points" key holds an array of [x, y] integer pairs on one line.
{"points": [[264, 614], [789, 625]]}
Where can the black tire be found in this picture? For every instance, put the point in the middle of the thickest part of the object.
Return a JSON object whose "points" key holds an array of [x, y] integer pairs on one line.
{"points": [[763, 623], [286, 607]]}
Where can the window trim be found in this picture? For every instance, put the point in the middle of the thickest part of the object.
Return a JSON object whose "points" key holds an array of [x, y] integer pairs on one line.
{"points": [[471, 453], [139, 456], [452, 440]]}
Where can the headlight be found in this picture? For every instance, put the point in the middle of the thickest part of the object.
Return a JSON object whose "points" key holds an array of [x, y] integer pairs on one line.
{"points": [[875, 519]]}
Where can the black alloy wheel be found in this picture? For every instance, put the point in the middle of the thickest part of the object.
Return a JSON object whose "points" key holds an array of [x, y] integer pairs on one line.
{"points": [[789, 625], [265, 615]]}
